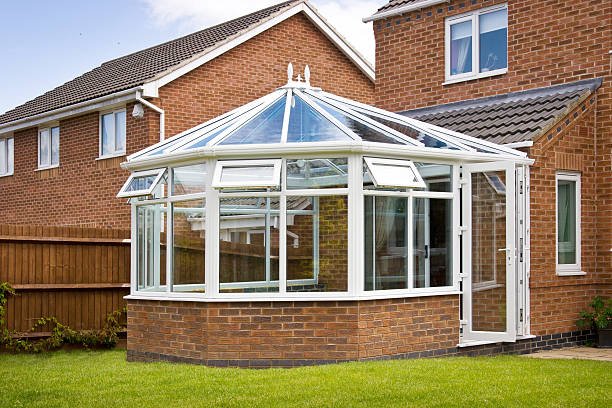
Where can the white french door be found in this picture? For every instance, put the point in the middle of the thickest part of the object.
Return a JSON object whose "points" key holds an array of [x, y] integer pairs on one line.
{"points": [[489, 250]]}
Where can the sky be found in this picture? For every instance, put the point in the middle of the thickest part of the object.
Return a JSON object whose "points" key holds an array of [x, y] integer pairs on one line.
{"points": [[44, 43]]}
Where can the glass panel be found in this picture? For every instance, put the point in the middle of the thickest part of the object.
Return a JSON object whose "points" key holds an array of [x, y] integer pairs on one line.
{"points": [[108, 137], [317, 244], [437, 177], [493, 29], [248, 247], [248, 175], [386, 243], [566, 221], [120, 131], [266, 127], [317, 173], [307, 125], [43, 148], [10, 155], [389, 173], [202, 142], [140, 183], [432, 226], [55, 133], [189, 233], [151, 248], [3, 157], [461, 48], [189, 179], [488, 262], [413, 133], [363, 130]]}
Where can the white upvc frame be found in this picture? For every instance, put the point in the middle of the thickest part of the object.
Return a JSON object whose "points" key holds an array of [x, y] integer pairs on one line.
{"points": [[7, 156], [475, 73], [49, 131], [273, 182], [115, 152], [380, 180], [158, 173], [468, 335], [576, 268]]}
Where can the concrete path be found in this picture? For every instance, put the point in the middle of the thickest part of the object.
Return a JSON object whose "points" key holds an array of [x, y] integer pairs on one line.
{"points": [[583, 353]]}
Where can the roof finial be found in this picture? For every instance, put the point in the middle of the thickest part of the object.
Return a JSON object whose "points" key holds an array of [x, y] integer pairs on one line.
{"points": [[290, 72], [307, 75], [299, 78]]}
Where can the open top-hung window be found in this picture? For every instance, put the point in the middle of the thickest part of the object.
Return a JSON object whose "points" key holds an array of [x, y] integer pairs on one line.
{"points": [[477, 44], [247, 174], [393, 173], [142, 183]]}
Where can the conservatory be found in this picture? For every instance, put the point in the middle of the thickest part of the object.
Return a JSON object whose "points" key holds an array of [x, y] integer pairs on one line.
{"points": [[303, 197]]}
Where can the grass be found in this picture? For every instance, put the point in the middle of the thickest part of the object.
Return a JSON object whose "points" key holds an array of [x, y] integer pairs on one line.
{"points": [[105, 379]]}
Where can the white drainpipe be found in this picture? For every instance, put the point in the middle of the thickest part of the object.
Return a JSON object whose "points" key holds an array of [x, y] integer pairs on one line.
{"points": [[161, 112]]}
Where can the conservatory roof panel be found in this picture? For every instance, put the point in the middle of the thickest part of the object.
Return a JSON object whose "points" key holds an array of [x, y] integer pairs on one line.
{"points": [[298, 113]]}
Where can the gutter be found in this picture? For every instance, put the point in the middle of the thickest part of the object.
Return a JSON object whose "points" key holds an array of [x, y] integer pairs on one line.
{"points": [[162, 114], [74, 109], [401, 10]]}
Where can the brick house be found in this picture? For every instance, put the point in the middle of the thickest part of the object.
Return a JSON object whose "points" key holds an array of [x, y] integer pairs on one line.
{"points": [[60, 152], [535, 75], [57, 148]]}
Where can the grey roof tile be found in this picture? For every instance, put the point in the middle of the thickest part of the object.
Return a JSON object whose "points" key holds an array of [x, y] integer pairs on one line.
{"points": [[135, 69], [511, 117]]}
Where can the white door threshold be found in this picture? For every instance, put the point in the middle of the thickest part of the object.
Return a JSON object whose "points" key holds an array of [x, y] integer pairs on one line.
{"points": [[473, 343]]}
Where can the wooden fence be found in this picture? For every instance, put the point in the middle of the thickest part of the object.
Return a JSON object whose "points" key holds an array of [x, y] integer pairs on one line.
{"points": [[77, 275]]}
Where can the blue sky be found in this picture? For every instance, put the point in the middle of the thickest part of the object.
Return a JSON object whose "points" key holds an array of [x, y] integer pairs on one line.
{"points": [[46, 43]]}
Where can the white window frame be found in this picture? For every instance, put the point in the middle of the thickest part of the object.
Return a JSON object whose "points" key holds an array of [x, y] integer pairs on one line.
{"points": [[273, 182], [9, 151], [49, 130], [159, 173], [569, 269], [373, 162], [475, 73], [115, 152]]}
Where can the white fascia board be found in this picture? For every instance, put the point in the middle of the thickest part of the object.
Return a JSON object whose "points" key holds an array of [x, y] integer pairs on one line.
{"points": [[401, 10], [71, 110], [312, 149], [150, 89]]}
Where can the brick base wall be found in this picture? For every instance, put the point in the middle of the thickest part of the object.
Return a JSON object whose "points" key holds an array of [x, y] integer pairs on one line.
{"points": [[290, 333]]}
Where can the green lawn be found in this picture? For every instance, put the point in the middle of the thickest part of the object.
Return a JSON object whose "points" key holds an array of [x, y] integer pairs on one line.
{"points": [[105, 379]]}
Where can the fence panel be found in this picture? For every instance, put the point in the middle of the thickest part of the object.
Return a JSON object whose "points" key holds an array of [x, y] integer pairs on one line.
{"points": [[78, 275]]}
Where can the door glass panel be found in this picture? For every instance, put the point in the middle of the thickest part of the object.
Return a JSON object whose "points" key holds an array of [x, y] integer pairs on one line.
{"points": [[432, 228], [489, 252]]}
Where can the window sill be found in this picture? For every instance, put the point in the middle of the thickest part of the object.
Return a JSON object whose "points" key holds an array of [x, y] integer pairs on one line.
{"points": [[488, 74], [571, 273], [111, 156], [47, 168], [6, 175]]}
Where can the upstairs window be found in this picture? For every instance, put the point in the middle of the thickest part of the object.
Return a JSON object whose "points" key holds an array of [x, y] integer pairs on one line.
{"points": [[6, 156], [112, 133], [477, 44], [48, 147]]}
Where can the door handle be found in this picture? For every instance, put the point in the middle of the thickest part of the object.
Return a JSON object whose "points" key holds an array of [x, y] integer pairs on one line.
{"points": [[503, 249]]}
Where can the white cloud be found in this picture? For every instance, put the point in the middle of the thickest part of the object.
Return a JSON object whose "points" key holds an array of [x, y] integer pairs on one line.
{"points": [[344, 15]]}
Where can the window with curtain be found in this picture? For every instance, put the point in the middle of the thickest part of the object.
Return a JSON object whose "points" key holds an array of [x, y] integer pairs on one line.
{"points": [[48, 147], [112, 133], [568, 222], [477, 44], [6, 156]]}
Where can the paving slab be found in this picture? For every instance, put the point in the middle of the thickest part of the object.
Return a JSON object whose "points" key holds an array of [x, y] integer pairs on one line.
{"points": [[581, 353]]}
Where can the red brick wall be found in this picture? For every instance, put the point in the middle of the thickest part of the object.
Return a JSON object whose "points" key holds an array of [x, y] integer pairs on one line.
{"points": [[331, 330], [556, 300], [549, 43], [82, 190]]}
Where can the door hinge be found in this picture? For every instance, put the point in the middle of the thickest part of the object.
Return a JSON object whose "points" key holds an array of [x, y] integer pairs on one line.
{"points": [[462, 229], [521, 187], [521, 315]]}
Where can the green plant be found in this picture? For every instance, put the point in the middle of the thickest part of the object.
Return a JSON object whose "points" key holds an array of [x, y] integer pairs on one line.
{"points": [[600, 315], [61, 334]]}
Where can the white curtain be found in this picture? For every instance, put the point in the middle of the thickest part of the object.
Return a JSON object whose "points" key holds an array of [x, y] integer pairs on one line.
{"points": [[385, 217], [463, 47]]}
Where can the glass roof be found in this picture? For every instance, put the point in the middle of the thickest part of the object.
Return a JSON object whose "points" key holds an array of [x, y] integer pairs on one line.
{"points": [[298, 113]]}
